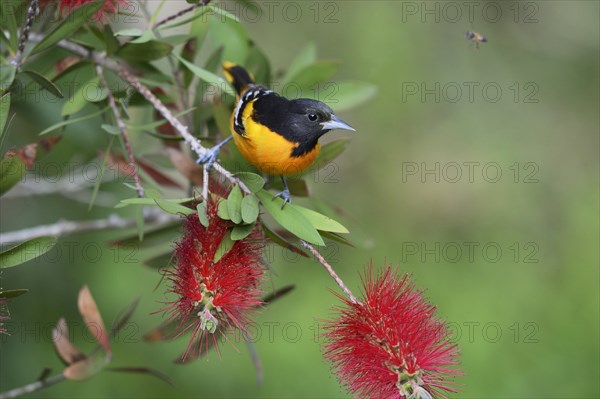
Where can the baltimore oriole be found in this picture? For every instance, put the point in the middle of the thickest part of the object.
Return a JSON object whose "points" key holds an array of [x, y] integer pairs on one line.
{"points": [[278, 136]]}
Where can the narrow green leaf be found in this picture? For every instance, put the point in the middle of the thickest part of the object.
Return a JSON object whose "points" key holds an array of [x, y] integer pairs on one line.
{"points": [[254, 182], [313, 74], [143, 38], [26, 251], [250, 209], [7, 77], [71, 121], [328, 153], [148, 51], [13, 293], [12, 170], [150, 201], [134, 32], [9, 21], [83, 95], [234, 204], [207, 76], [4, 108], [112, 43], [241, 232], [202, 213], [222, 210], [306, 57], [230, 35], [349, 94], [225, 246], [69, 25], [321, 222], [173, 208], [290, 218], [144, 370], [139, 222], [100, 175], [110, 129], [160, 262], [45, 83], [281, 241]]}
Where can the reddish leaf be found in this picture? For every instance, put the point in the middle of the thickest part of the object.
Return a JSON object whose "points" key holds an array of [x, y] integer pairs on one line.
{"points": [[93, 319], [118, 162], [86, 368], [68, 352], [31, 152]]}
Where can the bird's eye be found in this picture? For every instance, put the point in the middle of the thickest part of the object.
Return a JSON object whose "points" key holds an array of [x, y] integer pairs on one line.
{"points": [[312, 117]]}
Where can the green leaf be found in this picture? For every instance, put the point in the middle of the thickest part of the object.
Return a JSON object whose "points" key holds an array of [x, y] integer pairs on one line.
{"points": [[306, 57], [252, 181], [250, 209], [143, 38], [82, 96], [321, 222], [349, 94], [69, 25], [108, 36], [281, 241], [230, 35], [100, 175], [134, 32], [328, 153], [4, 108], [313, 74], [147, 51], [13, 293], [12, 170], [7, 76], [234, 204], [290, 218], [222, 210], [150, 201], [241, 232], [202, 214], [71, 121], [160, 262], [26, 251], [9, 21], [173, 207], [110, 129], [207, 76], [225, 246], [45, 83], [176, 40]]}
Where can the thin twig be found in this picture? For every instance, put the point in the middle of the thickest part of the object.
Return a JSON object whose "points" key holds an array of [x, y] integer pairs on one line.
{"points": [[332, 272], [193, 142], [152, 216], [205, 183], [181, 13], [123, 129], [31, 14], [34, 386]]}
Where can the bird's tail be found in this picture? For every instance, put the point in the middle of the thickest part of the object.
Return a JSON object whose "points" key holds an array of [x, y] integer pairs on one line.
{"points": [[237, 76]]}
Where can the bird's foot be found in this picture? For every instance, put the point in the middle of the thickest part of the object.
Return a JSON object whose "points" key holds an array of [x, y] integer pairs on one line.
{"points": [[285, 196], [211, 154]]}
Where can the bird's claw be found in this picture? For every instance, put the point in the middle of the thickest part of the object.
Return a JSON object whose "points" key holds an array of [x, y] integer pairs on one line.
{"points": [[285, 196], [209, 158]]}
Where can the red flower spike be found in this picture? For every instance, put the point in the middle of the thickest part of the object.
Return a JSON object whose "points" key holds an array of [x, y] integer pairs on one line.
{"points": [[110, 7], [391, 345], [214, 297]]}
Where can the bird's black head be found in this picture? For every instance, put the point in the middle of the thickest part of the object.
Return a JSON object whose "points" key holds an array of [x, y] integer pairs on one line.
{"points": [[301, 121], [313, 118]]}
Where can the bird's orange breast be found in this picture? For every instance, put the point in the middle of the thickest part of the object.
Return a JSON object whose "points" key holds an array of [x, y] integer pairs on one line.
{"points": [[270, 152]]}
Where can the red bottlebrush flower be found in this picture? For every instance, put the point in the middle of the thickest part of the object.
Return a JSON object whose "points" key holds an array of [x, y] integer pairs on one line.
{"points": [[391, 345], [214, 297], [109, 7]]}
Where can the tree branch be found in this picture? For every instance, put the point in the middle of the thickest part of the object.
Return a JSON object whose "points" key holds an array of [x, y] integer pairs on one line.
{"points": [[329, 269], [123, 128], [181, 13], [32, 11], [34, 386], [65, 227]]}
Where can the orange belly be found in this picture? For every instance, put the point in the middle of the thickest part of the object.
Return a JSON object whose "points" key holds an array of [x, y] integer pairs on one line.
{"points": [[270, 152]]}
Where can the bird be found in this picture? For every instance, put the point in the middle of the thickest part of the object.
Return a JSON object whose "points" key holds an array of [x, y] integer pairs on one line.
{"points": [[279, 136], [476, 38]]}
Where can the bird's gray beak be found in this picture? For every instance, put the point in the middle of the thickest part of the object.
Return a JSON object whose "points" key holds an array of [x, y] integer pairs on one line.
{"points": [[336, 123]]}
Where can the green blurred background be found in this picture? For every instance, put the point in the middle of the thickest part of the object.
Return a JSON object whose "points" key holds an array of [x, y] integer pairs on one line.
{"points": [[523, 305]]}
